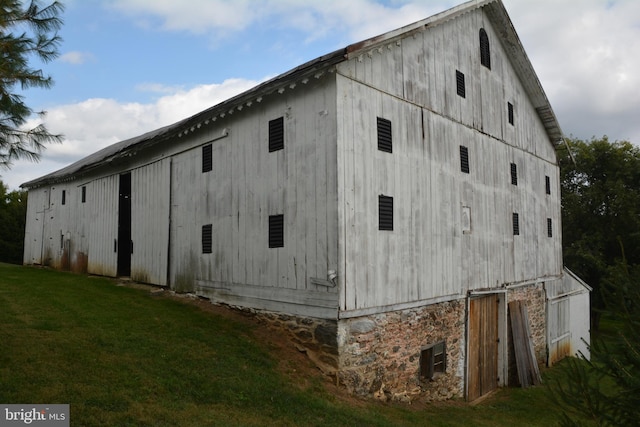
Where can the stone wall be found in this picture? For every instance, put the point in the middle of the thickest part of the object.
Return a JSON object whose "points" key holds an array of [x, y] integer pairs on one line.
{"points": [[380, 354]]}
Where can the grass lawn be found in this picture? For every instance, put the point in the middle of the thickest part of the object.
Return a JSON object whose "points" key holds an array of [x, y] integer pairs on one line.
{"points": [[122, 356]]}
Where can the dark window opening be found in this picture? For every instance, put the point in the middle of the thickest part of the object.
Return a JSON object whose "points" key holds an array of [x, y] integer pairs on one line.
{"points": [[464, 159], [207, 158], [207, 239], [84, 194], [547, 184], [433, 361], [460, 87], [276, 134], [510, 111], [514, 174], [385, 213], [485, 56], [276, 231], [64, 197], [549, 228], [516, 224], [385, 142]]}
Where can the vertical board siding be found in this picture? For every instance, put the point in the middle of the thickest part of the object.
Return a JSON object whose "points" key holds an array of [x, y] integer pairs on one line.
{"points": [[428, 255], [103, 205], [247, 184], [150, 189]]}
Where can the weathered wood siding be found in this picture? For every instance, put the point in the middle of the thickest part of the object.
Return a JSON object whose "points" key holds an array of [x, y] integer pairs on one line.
{"points": [[430, 254], [37, 203], [247, 184], [102, 196], [150, 204]]}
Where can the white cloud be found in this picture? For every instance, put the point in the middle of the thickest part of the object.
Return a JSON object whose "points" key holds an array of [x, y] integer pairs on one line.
{"points": [[76, 58], [91, 125]]}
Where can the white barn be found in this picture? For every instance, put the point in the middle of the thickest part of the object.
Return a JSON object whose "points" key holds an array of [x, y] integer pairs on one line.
{"points": [[384, 203]]}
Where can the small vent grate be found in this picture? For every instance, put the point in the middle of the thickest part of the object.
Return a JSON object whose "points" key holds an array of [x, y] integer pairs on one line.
{"points": [[207, 158], [549, 228], [485, 56], [64, 197], [516, 224], [385, 213], [464, 159], [510, 111], [207, 238], [276, 231], [84, 194], [514, 174], [547, 184], [460, 87], [276, 134], [384, 135]]}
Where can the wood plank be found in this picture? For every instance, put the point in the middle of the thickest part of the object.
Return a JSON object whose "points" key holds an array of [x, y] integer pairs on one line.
{"points": [[527, 365]]}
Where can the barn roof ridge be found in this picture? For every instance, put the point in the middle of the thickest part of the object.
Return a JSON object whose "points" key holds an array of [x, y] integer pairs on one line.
{"points": [[495, 10]]}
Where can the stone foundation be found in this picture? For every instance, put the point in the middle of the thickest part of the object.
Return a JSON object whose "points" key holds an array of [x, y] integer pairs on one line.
{"points": [[380, 354]]}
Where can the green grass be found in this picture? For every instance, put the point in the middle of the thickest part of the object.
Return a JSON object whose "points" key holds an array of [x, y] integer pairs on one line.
{"points": [[123, 357]]}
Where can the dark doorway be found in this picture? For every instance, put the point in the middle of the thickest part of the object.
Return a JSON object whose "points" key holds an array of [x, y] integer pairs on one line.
{"points": [[125, 246]]}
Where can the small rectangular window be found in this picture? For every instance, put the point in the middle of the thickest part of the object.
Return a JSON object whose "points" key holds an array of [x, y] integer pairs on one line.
{"points": [[516, 224], [433, 361], [207, 238], [385, 213], [460, 86], [276, 134], [510, 109], [207, 158], [547, 184], [464, 159], [384, 135], [84, 194], [549, 228], [276, 231], [514, 174], [64, 197]]}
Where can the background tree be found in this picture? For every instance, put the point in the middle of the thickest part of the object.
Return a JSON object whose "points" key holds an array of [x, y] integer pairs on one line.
{"points": [[600, 209], [13, 210], [26, 33]]}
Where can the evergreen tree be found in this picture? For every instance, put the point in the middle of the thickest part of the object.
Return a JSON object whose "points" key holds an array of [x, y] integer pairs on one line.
{"points": [[26, 33], [13, 210]]}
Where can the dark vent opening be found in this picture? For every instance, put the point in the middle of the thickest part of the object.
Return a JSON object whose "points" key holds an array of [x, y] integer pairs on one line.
{"points": [[207, 238], [276, 231], [460, 87], [516, 224], [207, 158], [485, 56], [276, 134], [84, 194], [64, 197], [547, 184], [549, 228], [464, 159], [385, 213], [384, 135], [514, 174], [510, 110]]}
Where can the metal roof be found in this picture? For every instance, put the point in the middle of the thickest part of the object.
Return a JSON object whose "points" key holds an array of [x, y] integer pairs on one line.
{"points": [[495, 11]]}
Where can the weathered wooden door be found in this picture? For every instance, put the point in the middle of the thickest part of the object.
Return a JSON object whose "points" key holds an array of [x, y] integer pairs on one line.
{"points": [[482, 364]]}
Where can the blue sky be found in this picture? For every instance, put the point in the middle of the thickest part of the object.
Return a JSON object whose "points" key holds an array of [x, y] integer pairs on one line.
{"points": [[131, 66]]}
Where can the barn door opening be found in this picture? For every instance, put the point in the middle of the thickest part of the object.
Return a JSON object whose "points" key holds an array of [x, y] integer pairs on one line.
{"points": [[124, 244], [482, 365]]}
